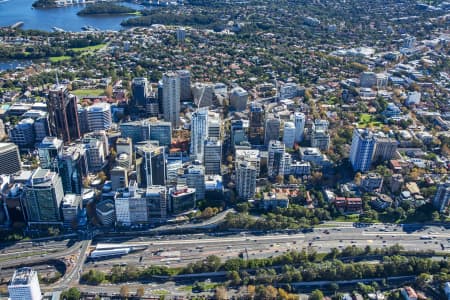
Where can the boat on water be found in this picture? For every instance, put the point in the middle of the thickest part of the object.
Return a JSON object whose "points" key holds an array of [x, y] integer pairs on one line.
{"points": [[57, 29], [3, 1], [89, 28]]}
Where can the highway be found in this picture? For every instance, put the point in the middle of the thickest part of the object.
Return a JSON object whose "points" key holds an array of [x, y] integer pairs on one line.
{"points": [[178, 250]]}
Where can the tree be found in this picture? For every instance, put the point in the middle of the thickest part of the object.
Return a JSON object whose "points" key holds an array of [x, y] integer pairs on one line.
{"points": [[140, 291], [358, 178], [266, 292], [423, 279], [279, 179], [316, 295], [102, 176], [71, 294], [334, 287], [124, 291], [221, 293], [109, 91], [234, 277], [251, 290], [292, 179]]}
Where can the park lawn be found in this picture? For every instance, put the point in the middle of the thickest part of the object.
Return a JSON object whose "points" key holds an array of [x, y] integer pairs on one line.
{"points": [[89, 48], [366, 120], [56, 59], [88, 92], [347, 218], [186, 288]]}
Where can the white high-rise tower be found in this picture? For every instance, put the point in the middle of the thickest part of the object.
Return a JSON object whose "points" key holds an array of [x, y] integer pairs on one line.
{"points": [[199, 133], [299, 121], [24, 285]]}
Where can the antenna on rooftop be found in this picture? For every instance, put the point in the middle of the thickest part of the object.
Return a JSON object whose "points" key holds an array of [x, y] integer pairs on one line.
{"points": [[57, 81]]}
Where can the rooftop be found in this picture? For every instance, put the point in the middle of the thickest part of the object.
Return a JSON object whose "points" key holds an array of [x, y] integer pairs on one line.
{"points": [[22, 276]]}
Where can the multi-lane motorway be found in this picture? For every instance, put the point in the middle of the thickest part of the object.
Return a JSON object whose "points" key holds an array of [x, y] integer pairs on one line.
{"points": [[179, 250]]}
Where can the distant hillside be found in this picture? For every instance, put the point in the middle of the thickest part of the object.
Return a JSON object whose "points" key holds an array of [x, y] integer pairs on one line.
{"points": [[105, 9], [167, 18], [44, 3]]}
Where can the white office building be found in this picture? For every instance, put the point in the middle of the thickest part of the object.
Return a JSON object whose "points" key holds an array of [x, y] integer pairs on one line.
{"points": [[24, 285], [199, 133], [238, 98], [320, 137], [288, 91], [277, 160], [249, 155], [289, 134], [99, 116], [299, 121], [245, 180], [362, 150]]}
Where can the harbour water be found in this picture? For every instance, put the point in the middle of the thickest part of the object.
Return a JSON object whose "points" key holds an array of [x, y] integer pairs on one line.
{"points": [[13, 11], [13, 64]]}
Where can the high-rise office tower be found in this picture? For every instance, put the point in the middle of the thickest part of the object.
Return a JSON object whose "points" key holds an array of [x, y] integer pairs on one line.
{"points": [[361, 152], [299, 121], [214, 125], [256, 125], [49, 151], [245, 180], [24, 285], [320, 136], [199, 133], [288, 90], [95, 150], [137, 131], [277, 159], [272, 129], [442, 198], [160, 131], [152, 107], [22, 134], [182, 199], [252, 156], [119, 178], [150, 164], [10, 159], [131, 206], [185, 85], [71, 207], [41, 129], [63, 114], [157, 206], [195, 178], [181, 34], [99, 116], [139, 90], [238, 134], [385, 148], [83, 120], [238, 99], [212, 157], [73, 167], [171, 98], [289, 134], [42, 197]]}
